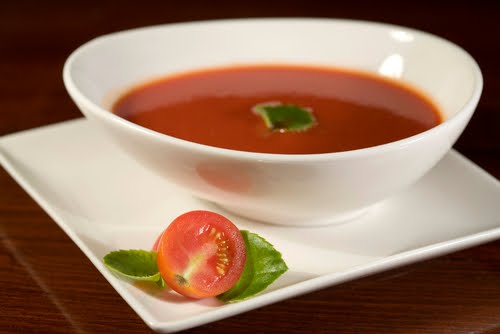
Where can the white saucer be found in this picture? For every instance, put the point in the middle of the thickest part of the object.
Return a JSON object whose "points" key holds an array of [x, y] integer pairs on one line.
{"points": [[105, 201]]}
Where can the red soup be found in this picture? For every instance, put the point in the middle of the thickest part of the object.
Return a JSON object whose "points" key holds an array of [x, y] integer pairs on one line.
{"points": [[353, 110]]}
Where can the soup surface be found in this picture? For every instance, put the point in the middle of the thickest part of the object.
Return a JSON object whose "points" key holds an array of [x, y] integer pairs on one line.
{"points": [[353, 110]]}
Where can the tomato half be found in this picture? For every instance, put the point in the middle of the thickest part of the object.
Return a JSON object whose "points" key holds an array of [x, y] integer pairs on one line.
{"points": [[201, 254]]}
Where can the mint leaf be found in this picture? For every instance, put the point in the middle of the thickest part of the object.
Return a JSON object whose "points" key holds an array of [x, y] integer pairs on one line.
{"points": [[285, 117], [263, 266], [135, 264]]}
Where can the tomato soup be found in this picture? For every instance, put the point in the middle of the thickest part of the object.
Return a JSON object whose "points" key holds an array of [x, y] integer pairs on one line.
{"points": [[353, 110]]}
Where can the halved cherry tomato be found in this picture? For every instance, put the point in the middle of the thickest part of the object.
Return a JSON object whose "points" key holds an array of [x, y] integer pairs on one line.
{"points": [[201, 254]]}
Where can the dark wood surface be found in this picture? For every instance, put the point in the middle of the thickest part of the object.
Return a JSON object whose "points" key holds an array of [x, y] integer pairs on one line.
{"points": [[47, 285]]}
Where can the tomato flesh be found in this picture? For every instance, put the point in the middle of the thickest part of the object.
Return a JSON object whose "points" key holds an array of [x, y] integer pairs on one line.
{"points": [[201, 254]]}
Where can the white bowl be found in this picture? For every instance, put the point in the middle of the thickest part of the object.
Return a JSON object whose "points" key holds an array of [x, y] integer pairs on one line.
{"points": [[306, 190]]}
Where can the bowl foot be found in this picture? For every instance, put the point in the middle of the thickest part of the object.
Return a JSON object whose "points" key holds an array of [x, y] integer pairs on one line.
{"points": [[277, 219]]}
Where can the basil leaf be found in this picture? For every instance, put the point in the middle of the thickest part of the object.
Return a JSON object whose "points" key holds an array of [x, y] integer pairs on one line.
{"points": [[263, 266], [285, 117], [134, 264]]}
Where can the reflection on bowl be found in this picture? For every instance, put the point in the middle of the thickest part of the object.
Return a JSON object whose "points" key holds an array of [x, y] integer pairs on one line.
{"points": [[301, 189]]}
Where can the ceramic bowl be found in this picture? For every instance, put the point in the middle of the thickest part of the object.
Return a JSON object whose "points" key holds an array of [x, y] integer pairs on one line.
{"points": [[307, 189]]}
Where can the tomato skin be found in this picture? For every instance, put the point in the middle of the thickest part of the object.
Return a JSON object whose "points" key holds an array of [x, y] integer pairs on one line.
{"points": [[156, 245], [201, 254]]}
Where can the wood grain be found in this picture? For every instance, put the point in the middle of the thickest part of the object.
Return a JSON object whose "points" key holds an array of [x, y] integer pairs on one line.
{"points": [[47, 285]]}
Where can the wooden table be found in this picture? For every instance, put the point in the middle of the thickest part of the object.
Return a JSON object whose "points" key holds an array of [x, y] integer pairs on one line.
{"points": [[47, 285]]}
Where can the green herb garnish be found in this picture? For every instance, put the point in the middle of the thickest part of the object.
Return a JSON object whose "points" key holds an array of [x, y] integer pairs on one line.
{"points": [[263, 266], [135, 264], [285, 117]]}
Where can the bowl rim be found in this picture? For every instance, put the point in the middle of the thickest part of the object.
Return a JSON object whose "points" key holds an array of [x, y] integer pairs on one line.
{"points": [[101, 112]]}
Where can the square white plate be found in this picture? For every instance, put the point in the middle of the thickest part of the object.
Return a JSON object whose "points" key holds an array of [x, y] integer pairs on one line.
{"points": [[106, 201]]}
